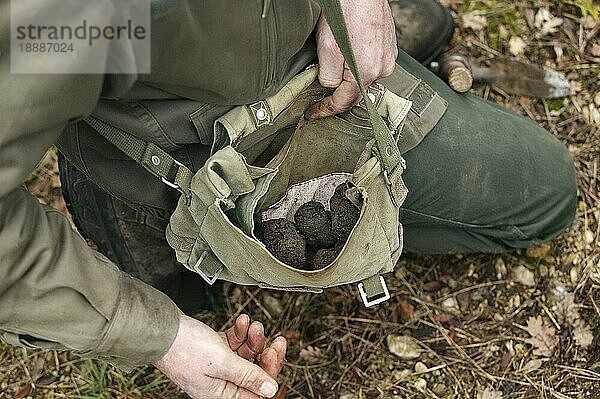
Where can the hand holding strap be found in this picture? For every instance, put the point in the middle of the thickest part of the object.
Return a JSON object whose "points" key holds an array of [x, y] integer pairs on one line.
{"points": [[389, 153]]}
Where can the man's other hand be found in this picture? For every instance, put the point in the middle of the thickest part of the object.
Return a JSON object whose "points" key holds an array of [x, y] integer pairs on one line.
{"points": [[207, 364], [373, 37]]}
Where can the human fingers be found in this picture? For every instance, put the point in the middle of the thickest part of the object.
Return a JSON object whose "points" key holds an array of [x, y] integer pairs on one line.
{"points": [[238, 333], [331, 60], [343, 98], [255, 342], [246, 375], [272, 359]]}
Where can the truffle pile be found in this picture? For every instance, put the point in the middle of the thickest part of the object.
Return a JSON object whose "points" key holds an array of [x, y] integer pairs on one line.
{"points": [[316, 236]]}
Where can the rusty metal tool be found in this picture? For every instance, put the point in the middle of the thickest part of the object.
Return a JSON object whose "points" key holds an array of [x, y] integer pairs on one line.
{"points": [[511, 75]]}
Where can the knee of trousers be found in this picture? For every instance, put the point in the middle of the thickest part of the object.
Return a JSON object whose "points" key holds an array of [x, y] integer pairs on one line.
{"points": [[553, 211]]}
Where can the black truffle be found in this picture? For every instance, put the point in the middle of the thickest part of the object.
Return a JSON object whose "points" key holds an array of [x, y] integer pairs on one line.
{"points": [[324, 257], [285, 243], [314, 223], [344, 214]]}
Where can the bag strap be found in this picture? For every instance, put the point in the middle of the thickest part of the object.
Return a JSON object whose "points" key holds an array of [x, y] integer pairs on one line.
{"points": [[154, 159], [389, 153], [373, 290]]}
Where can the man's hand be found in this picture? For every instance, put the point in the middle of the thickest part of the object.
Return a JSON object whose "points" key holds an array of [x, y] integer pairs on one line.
{"points": [[373, 37], [207, 364]]}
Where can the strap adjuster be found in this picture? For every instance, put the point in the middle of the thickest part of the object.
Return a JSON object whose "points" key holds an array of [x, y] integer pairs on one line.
{"points": [[383, 296], [210, 280]]}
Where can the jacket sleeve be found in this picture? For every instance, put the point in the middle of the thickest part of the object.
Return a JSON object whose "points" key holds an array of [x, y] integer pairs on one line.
{"points": [[55, 292]]}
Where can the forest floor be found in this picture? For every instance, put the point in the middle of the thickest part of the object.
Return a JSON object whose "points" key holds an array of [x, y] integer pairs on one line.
{"points": [[524, 324]]}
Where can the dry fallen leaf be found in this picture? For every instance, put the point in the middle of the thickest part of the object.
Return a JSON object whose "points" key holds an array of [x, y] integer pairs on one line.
{"points": [[46, 380], [559, 53], [541, 16], [582, 334], [516, 46], [406, 310], [403, 346], [312, 355], [546, 22], [591, 114], [489, 393], [532, 365], [432, 286], [567, 312], [589, 22], [505, 361], [474, 20], [543, 336], [551, 26], [24, 392]]}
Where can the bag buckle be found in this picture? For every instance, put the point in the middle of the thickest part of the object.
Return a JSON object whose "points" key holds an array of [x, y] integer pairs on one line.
{"points": [[210, 279], [173, 184], [379, 297]]}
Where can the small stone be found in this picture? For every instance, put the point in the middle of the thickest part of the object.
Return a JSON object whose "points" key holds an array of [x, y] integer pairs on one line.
{"points": [[464, 301], [401, 375], [541, 251], [420, 367], [450, 304], [556, 292], [500, 267], [516, 300], [452, 283], [523, 276], [574, 274], [421, 384], [439, 389], [405, 347], [589, 237], [516, 46]]}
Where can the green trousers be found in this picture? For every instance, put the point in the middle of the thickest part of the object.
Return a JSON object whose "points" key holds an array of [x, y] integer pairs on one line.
{"points": [[484, 179]]}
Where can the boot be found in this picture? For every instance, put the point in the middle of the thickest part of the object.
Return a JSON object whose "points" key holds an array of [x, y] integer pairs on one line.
{"points": [[423, 27]]}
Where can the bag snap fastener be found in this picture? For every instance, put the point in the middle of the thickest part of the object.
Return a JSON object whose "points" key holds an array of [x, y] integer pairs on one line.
{"points": [[155, 160], [261, 114], [372, 97], [388, 150]]}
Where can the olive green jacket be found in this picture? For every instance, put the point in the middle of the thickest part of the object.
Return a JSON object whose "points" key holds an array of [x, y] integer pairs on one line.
{"points": [[55, 292]]}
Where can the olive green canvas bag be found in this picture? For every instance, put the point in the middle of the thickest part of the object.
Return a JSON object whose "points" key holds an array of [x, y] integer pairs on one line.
{"points": [[267, 160]]}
